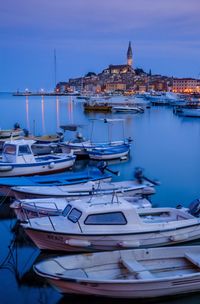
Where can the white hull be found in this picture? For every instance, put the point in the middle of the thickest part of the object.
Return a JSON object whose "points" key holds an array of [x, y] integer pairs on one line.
{"points": [[129, 290], [71, 242], [83, 190], [35, 168], [108, 156], [143, 273]]}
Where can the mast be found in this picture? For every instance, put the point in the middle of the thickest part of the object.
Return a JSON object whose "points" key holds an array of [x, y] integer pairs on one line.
{"points": [[55, 68]]}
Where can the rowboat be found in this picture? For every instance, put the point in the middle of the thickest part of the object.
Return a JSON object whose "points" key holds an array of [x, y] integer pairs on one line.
{"points": [[108, 153], [128, 187], [82, 146], [56, 179], [141, 273]]}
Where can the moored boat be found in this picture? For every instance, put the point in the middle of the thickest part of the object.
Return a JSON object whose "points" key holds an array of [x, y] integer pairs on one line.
{"points": [[128, 109], [82, 146], [56, 179], [141, 273], [18, 160], [107, 153], [29, 208], [8, 133], [129, 187], [106, 224], [97, 107]]}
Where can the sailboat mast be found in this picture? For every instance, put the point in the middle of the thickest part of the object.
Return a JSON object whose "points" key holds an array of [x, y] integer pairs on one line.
{"points": [[55, 68]]}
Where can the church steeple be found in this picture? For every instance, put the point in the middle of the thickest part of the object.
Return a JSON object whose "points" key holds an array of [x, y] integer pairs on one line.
{"points": [[129, 55]]}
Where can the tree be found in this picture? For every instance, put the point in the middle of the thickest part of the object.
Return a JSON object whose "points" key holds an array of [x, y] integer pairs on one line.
{"points": [[89, 74]]}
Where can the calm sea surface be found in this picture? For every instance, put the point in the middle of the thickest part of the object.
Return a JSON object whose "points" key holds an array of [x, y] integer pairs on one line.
{"points": [[165, 145]]}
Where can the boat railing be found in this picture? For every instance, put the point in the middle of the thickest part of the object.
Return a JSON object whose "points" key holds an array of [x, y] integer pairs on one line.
{"points": [[112, 201], [40, 214]]}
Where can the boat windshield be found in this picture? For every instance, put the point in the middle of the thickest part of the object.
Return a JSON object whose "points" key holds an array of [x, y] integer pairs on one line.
{"points": [[24, 149], [74, 215], [9, 149], [66, 210]]}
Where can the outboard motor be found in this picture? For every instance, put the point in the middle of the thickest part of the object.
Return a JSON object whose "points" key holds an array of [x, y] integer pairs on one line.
{"points": [[194, 208], [26, 132], [16, 126], [102, 166], [138, 174]]}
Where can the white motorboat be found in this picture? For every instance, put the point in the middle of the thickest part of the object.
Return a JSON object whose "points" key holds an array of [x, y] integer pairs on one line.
{"points": [[107, 224], [140, 273], [29, 208], [127, 109], [8, 133], [129, 187], [109, 153], [82, 146], [18, 159]]}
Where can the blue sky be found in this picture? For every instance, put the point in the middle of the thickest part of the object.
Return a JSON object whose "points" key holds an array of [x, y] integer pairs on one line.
{"points": [[88, 35]]}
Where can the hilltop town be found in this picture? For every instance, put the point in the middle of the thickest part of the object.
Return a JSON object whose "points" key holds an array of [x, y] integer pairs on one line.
{"points": [[127, 79]]}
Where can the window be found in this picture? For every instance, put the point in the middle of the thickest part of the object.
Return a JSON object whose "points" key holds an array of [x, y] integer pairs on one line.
{"points": [[114, 218], [25, 149], [9, 149], [66, 210], [74, 215]]}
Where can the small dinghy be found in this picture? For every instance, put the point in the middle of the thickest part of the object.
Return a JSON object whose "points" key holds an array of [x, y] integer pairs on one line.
{"points": [[109, 224], [141, 273], [18, 159], [129, 187], [56, 179], [105, 153], [15, 132]]}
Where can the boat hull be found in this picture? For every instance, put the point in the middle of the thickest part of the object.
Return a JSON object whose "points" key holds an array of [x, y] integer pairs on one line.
{"points": [[52, 240], [129, 290], [140, 273], [46, 167], [74, 195]]}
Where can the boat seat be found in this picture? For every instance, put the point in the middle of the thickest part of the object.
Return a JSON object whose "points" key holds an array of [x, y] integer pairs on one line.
{"points": [[193, 258], [138, 269]]}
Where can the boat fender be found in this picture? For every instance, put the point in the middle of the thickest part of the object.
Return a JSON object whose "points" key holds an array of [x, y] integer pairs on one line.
{"points": [[127, 244], [78, 243], [6, 168], [181, 237], [51, 165]]}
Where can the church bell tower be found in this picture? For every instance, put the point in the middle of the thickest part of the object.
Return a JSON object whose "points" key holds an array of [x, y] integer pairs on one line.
{"points": [[129, 55]]}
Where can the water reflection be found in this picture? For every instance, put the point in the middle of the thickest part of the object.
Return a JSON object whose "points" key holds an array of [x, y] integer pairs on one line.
{"points": [[57, 112], [27, 114], [43, 115], [70, 109]]}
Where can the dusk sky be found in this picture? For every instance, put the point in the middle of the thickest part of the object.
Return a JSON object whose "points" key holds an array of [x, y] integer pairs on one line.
{"points": [[89, 35]]}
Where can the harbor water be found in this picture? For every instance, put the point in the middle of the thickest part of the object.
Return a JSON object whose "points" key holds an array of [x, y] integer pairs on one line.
{"points": [[165, 145]]}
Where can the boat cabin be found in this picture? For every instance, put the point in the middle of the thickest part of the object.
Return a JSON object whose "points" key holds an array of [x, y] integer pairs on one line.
{"points": [[106, 214], [18, 151]]}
